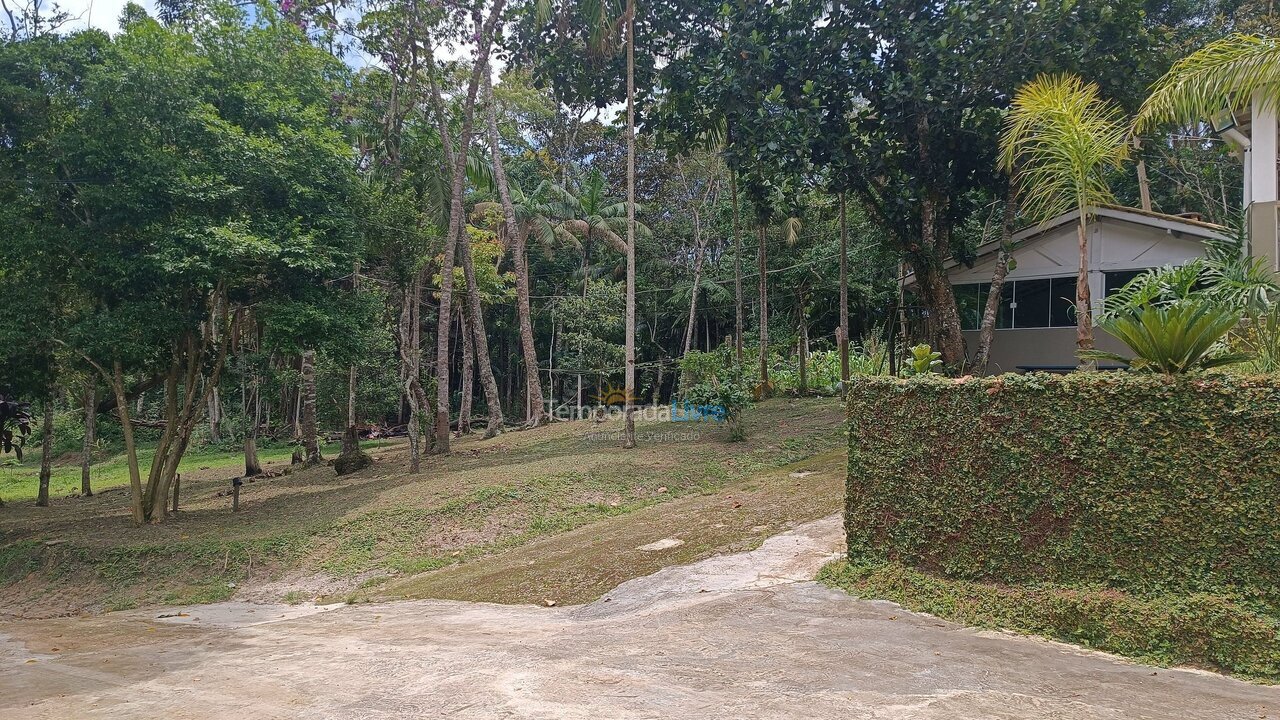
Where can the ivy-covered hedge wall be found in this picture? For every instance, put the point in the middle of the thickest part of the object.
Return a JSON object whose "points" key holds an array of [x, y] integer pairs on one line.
{"points": [[1140, 483]]}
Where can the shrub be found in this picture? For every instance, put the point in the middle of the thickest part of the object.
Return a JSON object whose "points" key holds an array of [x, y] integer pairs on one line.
{"points": [[710, 380], [1175, 337]]}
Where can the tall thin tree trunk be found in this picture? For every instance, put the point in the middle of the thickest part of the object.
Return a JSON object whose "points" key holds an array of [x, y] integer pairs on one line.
{"points": [[310, 441], [215, 416], [351, 371], [1084, 301], [987, 330], [90, 435], [475, 312], [739, 322], [844, 296], [629, 421], [519, 237], [411, 368], [130, 448], [697, 282], [468, 375], [804, 352], [46, 452], [762, 259], [456, 160]]}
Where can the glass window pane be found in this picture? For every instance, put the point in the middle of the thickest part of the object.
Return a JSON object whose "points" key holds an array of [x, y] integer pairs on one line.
{"points": [[969, 303], [1004, 319], [1032, 297], [1062, 311], [1118, 279]]}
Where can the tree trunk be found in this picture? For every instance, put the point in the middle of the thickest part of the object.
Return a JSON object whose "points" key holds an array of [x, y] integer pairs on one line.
{"points": [[310, 435], [629, 421], [804, 353], [519, 236], [252, 466], [190, 355], [698, 278], [468, 375], [411, 367], [475, 312], [456, 161], [351, 371], [844, 297], [215, 417], [90, 435], [130, 448], [1084, 301], [944, 317], [739, 316], [46, 453], [987, 330], [762, 260]]}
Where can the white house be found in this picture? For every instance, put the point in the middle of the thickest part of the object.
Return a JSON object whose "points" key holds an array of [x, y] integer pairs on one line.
{"points": [[1035, 327]]}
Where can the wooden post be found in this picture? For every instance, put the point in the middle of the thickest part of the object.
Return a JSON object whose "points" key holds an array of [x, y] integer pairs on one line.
{"points": [[235, 494], [177, 484]]}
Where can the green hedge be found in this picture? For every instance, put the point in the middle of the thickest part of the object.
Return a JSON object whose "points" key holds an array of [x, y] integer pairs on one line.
{"points": [[1141, 483]]}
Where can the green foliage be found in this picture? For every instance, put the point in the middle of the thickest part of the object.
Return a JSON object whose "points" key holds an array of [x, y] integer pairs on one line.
{"points": [[1176, 337], [1259, 338], [1199, 629], [592, 325], [924, 360], [1060, 139], [1152, 485], [716, 380]]}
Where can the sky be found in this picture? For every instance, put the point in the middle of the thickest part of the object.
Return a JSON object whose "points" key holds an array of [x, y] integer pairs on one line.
{"points": [[104, 14]]}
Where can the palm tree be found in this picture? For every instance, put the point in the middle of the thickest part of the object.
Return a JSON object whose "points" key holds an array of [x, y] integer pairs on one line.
{"points": [[593, 215], [1228, 73], [1061, 138]]}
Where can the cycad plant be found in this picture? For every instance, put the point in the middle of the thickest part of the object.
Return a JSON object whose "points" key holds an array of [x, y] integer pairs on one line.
{"points": [[1060, 139], [1174, 337]]}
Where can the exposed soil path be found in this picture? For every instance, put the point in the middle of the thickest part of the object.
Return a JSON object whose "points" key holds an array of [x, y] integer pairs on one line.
{"points": [[733, 636]]}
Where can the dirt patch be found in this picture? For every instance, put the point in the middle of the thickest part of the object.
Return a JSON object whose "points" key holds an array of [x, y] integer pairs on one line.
{"points": [[585, 563]]}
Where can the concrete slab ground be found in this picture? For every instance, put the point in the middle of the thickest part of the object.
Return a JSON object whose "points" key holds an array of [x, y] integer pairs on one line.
{"points": [[736, 636]]}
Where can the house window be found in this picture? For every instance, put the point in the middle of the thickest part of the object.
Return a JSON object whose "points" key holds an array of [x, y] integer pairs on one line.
{"points": [[1039, 303], [1116, 279]]}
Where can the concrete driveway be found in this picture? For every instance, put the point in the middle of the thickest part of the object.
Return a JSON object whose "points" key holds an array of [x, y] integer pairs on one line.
{"points": [[739, 636]]}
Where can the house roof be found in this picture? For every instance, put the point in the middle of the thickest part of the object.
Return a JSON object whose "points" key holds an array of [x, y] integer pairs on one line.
{"points": [[1176, 224]]}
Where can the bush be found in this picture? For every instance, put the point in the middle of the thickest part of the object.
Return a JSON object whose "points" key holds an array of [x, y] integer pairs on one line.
{"points": [[715, 380]]}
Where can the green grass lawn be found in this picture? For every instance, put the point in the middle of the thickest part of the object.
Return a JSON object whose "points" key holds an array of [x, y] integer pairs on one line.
{"points": [[20, 480]]}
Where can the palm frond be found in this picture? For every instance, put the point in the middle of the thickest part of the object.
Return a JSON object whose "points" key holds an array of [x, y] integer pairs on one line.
{"points": [[1061, 138], [1225, 74]]}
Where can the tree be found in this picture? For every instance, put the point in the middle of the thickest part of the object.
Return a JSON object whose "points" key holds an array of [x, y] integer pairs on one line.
{"points": [[1060, 139], [172, 247], [455, 158], [518, 235]]}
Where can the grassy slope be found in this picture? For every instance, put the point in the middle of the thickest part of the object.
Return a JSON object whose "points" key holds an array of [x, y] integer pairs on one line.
{"points": [[310, 534]]}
